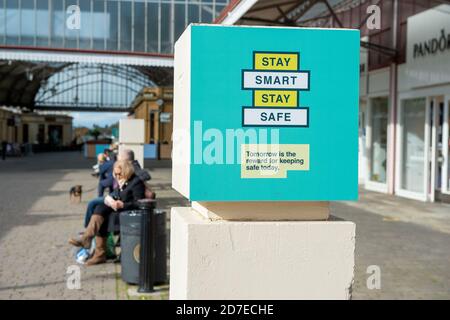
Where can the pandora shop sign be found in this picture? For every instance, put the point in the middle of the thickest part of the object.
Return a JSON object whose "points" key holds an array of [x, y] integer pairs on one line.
{"points": [[435, 45], [428, 47]]}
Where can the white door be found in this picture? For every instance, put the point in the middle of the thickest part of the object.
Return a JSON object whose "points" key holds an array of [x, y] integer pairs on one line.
{"points": [[412, 149], [362, 142], [446, 147], [376, 144], [432, 126], [438, 159]]}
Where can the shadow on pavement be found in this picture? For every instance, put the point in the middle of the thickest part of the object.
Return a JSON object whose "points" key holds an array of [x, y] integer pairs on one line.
{"points": [[23, 181]]}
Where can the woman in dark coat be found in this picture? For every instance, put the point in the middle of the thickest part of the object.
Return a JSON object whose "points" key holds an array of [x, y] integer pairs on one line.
{"points": [[124, 197]]}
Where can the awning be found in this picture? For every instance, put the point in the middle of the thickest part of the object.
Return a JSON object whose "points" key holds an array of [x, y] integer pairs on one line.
{"points": [[304, 13], [84, 56], [280, 12]]}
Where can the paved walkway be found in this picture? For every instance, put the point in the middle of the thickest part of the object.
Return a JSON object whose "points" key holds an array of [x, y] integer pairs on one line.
{"points": [[408, 240], [37, 219]]}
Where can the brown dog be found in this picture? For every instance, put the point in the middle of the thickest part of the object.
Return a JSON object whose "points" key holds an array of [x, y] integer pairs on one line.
{"points": [[75, 194]]}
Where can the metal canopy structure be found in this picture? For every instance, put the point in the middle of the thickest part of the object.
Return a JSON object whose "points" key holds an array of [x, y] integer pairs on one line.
{"points": [[382, 45], [20, 81], [31, 54], [302, 13], [91, 87], [43, 41], [282, 12], [75, 86], [63, 79]]}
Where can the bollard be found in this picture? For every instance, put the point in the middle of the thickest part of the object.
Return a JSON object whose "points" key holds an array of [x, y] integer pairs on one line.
{"points": [[147, 249]]}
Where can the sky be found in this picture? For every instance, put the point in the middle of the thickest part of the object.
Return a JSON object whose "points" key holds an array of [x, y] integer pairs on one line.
{"points": [[88, 119]]}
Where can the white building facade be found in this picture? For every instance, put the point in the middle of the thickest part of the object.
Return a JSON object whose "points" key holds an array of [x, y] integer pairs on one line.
{"points": [[404, 144]]}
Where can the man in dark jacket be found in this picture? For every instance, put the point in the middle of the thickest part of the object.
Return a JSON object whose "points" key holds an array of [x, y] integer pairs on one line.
{"points": [[128, 155], [106, 179], [4, 147]]}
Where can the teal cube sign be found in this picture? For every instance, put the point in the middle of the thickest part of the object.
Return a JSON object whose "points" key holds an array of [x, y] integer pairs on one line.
{"points": [[266, 114]]}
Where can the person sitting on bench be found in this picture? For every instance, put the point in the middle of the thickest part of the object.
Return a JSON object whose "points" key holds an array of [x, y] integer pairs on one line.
{"points": [[130, 189], [127, 155]]}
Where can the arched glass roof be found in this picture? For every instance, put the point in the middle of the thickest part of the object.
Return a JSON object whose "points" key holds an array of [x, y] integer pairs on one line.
{"points": [[91, 87], [76, 86], [79, 54]]}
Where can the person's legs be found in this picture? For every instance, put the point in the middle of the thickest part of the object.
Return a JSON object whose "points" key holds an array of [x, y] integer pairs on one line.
{"points": [[98, 217], [99, 252], [103, 231], [90, 209], [101, 190], [100, 243]]}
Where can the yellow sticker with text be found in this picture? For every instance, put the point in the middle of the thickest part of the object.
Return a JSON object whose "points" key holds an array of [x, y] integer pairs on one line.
{"points": [[273, 161], [275, 98], [275, 61]]}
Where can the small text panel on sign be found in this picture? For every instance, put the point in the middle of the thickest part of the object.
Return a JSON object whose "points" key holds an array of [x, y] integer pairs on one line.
{"points": [[273, 160]]}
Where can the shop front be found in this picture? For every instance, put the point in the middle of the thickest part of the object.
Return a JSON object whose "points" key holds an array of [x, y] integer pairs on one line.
{"points": [[422, 148], [422, 139], [413, 159], [376, 141]]}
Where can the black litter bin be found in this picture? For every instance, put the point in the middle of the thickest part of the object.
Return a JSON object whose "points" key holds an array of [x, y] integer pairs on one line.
{"points": [[160, 247], [130, 239]]}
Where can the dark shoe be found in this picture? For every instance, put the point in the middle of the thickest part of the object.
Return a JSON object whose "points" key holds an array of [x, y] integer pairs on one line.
{"points": [[92, 229], [99, 253], [75, 242]]}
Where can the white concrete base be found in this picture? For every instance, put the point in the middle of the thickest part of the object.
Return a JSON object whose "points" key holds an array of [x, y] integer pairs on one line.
{"points": [[259, 260]]}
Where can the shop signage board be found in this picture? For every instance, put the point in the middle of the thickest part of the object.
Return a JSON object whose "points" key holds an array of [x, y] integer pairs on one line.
{"points": [[427, 49], [266, 114]]}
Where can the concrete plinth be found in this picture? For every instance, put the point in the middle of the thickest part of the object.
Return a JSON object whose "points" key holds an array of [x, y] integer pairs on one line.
{"points": [[132, 136], [259, 260], [264, 210]]}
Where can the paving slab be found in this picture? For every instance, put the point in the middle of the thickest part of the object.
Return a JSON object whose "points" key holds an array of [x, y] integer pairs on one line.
{"points": [[408, 240]]}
